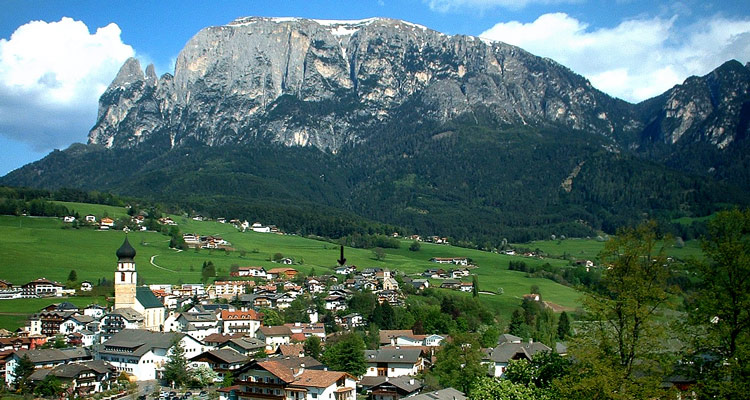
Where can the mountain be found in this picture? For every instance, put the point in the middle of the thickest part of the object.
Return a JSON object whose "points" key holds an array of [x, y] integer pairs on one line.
{"points": [[291, 119]]}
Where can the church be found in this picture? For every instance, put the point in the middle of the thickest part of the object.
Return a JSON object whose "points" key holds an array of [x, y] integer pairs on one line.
{"points": [[128, 295]]}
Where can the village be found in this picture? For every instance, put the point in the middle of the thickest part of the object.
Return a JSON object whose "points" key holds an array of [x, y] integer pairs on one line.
{"points": [[230, 330]]}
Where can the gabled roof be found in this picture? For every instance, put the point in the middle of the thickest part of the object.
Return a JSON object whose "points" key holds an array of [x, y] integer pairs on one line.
{"points": [[128, 313], [280, 330], [404, 384], [199, 317], [246, 343], [82, 319], [138, 342], [387, 334], [317, 378], [292, 350], [227, 315], [220, 338], [224, 355], [507, 351], [147, 298], [442, 394], [283, 368], [394, 355], [44, 356]]}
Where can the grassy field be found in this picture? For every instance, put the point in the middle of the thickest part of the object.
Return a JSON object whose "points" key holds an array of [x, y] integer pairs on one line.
{"points": [[100, 210], [589, 249], [40, 247]]}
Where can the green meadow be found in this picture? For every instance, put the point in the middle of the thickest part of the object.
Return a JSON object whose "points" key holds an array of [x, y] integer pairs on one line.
{"points": [[32, 247], [589, 249]]}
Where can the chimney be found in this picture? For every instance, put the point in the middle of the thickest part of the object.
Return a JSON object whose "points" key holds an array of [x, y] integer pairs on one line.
{"points": [[411, 381], [300, 370], [386, 379]]}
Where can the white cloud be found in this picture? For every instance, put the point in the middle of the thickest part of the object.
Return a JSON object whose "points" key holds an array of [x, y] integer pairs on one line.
{"points": [[51, 77], [445, 6], [636, 59]]}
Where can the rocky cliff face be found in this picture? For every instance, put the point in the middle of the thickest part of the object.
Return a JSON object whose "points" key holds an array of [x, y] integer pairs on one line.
{"points": [[328, 83], [713, 109]]}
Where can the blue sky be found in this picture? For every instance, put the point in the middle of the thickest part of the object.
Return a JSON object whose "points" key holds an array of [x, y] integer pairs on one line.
{"points": [[56, 57]]}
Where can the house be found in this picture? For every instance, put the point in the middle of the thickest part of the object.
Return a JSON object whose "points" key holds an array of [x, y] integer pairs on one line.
{"points": [[451, 260], [107, 222], [450, 284], [246, 322], [229, 289], [90, 218], [286, 261], [142, 353], [222, 361], [244, 345], [315, 286], [44, 358], [198, 325], [459, 273], [385, 388], [433, 340], [532, 297], [81, 379], [335, 302], [420, 284], [345, 269], [466, 287], [434, 273], [308, 329], [75, 323], [42, 287], [254, 271], [388, 336], [292, 378], [118, 320], [352, 320], [86, 286], [258, 227], [274, 336], [393, 362], [69, 218], [442, 394], [498, 357], [282, 272], [50, 321]]}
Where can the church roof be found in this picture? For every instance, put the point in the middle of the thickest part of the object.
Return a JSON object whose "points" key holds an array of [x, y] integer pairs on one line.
{"points": [[126, 252], [146, 297]]}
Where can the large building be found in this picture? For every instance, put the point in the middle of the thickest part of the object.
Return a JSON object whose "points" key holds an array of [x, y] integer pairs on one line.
{"points": [[129, 295]]}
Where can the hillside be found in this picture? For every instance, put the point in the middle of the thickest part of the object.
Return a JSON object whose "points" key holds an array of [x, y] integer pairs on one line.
{"points": [[35, 247]]}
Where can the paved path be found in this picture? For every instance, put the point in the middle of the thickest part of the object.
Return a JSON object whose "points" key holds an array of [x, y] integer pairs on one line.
{"points": [[154, 264]]}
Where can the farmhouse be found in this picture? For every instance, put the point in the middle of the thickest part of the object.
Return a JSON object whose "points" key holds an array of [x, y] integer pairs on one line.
{"points": [[394, 362], [511, 349], [246, 322], [451, 260]]}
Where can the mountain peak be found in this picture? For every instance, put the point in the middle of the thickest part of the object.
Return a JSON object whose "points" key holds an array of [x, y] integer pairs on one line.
{"points": [[129, 72]]}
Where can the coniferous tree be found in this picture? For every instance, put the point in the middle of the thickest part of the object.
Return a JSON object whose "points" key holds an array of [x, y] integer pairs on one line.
{"points": [[312, 347], [176, 367], [21, 373], [563, 326]]}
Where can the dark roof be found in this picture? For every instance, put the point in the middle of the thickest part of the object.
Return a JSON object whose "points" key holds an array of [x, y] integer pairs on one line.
{"points": [[126, 252], [224, 355], [442, 394], [72, 370], [507, 351], [404, 384], [245, 343], [138, 342], [507, 337], [147, 298], [402, 355], [128, 313], [45, 356], [66, 306], [279, 330]]}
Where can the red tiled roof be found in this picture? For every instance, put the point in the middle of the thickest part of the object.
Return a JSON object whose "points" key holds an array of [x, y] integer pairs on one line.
{"points": [[239, 315]]}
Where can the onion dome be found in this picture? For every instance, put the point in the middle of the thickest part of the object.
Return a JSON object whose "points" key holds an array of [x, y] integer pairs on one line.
{"points": [[126, 252]]}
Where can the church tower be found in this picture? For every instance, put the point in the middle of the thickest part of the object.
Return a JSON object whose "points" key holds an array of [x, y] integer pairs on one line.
{"points": [[125, 276]]}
